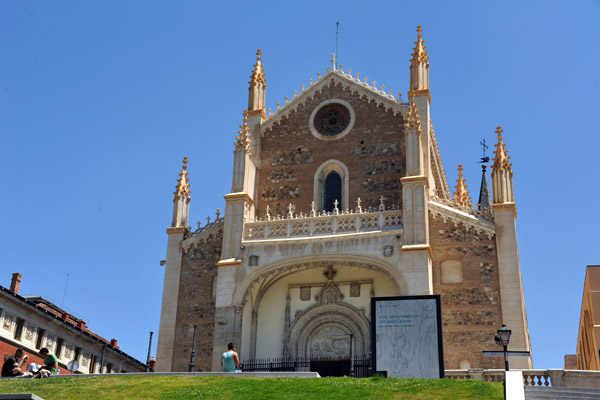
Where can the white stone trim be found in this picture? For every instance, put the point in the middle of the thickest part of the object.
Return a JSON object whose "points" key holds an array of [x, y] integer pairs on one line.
{"points": [[319, 182], [311, 120]]}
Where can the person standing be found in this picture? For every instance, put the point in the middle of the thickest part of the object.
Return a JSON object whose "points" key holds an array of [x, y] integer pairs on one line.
{"points": [[12, 365], [230, 361]]}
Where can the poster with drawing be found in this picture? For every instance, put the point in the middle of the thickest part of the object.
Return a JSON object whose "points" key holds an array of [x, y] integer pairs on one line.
{"points": [[407, 336]]}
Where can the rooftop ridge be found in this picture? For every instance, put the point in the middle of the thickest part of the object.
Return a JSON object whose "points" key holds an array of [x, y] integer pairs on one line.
{"points": [[383, 99]]}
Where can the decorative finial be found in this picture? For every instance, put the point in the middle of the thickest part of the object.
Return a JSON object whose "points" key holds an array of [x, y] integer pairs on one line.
{"points": [[499, 132], [333, 60], [462, 194], [358, 207], [381, 204], [243, 140], [318, 75], [258, 54], [207, 220], [291, 211], [267, 214], [419, 30], [327, 68], [335, 208], [313, 212], [182, 190], [286, 99], [419, 66], [218, 213]]}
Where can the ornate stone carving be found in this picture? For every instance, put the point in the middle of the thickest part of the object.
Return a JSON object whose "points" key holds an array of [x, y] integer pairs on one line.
{"points": [[49, 341], [253, 260], [28, 333], [7, 321], [305, 293], [388, 251], [68, 351], [331, 341], [355, 290], [85, 357], [238, 309]]}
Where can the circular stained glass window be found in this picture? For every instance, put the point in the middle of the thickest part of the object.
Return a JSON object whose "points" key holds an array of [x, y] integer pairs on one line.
{"points": [[332, 119]]}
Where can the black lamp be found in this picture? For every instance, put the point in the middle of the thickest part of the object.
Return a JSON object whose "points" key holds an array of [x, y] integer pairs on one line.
{"points": [[502, 338]]}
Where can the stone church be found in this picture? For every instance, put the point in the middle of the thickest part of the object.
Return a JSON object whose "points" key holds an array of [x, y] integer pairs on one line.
{"points": [[338, 196]]}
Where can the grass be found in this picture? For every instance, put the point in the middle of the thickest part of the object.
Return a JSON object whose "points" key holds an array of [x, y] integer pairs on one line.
{"points": [[225, 387]]}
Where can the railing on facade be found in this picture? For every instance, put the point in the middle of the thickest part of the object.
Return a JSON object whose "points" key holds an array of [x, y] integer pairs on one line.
{"points": [[535, 377], [360, 367], [487, 375], [330, 223]]}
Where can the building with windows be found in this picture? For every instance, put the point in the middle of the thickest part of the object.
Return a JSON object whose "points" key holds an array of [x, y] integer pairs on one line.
{"points": [[588, 340], [33, 322], [338, 196]]}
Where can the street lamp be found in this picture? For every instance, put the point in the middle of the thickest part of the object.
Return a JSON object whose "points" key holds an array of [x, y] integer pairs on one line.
{"points": [[192, 365], [502, 338]]}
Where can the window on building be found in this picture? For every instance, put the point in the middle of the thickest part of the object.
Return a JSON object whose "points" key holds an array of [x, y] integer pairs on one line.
{"points": [[59, 346], [451, 271], [40, 337], [77, 352], [465, 364], [19, 328], [92, 364], [333, 191], [109, 368]]}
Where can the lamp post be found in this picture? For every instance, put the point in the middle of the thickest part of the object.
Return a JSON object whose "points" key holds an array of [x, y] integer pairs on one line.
{"points": [[193, 350], [502, 337], [351, 355], [148, 358]]}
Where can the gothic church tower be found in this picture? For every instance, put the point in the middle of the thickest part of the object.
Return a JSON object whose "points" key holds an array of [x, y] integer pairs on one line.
{"points": [[338, 196]]}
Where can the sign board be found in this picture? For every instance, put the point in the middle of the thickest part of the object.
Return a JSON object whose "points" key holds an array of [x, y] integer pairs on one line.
{"points": [[406, 336]]}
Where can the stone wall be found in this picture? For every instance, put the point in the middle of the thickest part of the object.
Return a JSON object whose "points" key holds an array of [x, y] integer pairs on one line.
{"points": [[471, 309], [373, 152], [196, 305]]}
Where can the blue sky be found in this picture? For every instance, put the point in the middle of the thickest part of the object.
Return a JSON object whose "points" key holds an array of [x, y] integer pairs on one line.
{"points": [[100, 101]]}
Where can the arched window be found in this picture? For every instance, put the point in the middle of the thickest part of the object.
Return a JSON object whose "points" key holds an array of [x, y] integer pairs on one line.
{"points": [[333, 191], [331, 182]]}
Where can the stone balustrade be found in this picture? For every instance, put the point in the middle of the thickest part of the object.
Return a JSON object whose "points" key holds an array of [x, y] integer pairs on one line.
{"points": [[534, 377], [325, 224]]}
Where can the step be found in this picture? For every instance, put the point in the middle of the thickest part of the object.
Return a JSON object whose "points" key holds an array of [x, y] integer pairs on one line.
{"points": [[560, 393]]}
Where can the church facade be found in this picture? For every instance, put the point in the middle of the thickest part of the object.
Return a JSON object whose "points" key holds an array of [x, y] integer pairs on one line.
{"points": [[338, 196]]}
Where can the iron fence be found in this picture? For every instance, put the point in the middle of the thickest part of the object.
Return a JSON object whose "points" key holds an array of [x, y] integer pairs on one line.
{"points": [[359, 367]]}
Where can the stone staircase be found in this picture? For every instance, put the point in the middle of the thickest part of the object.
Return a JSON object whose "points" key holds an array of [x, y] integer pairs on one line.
{"points": [[560, 393]]}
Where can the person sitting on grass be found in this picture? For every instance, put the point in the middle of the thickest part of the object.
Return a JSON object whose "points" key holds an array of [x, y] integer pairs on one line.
{"points": [[12, 365], [50, 364]]}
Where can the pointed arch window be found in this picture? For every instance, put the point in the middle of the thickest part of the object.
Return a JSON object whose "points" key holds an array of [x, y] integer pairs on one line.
{"points": [[333, 191], [331, 183]]}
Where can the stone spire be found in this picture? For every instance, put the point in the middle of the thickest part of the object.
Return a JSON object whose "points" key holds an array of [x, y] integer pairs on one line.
{"points": [[414, 137], [258, 85], [243, 140], [461, 196], [181, 201], [419, 68], [485, 200], [502, 175]]}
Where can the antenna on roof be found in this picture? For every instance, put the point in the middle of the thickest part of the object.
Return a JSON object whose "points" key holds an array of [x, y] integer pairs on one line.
{"points": [[337, 34], [65, 292]]}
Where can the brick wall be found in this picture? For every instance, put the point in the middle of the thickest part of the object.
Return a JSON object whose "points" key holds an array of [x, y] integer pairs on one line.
{"points": [[196, 305], [8, 349], [471, 309], [373, 151]]}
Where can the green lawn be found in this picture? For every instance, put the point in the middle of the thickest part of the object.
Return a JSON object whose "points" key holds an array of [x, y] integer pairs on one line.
{"points": [[242, 388]]}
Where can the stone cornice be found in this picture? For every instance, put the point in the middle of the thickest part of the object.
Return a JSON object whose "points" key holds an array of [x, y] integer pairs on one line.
{"points": [[177, 229], [335, 77], [239, 196], [229, 262], [458, 216]]}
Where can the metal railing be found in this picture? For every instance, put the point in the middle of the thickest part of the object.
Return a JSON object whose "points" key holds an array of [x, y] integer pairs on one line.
{"points": [[359, 367]]}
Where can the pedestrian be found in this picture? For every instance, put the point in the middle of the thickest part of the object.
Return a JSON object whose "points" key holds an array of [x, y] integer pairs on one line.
{"points": [[12, 365], [230, 361]]}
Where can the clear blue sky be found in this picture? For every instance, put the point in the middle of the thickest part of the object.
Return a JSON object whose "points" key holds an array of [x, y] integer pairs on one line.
{"points": [[100, 101]]}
